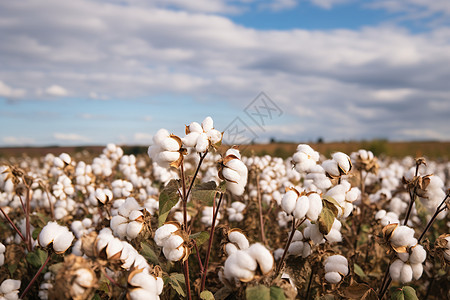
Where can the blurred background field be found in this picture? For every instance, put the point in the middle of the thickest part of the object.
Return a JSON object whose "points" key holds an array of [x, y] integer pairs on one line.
{"points": [[434, 150]]}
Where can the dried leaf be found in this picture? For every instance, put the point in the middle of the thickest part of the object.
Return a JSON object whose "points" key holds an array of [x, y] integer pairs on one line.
{"points": [[326, 220], [206, 295]]}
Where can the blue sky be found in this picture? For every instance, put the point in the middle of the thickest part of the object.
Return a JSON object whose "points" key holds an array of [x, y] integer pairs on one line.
{"points": [[93, 72]]}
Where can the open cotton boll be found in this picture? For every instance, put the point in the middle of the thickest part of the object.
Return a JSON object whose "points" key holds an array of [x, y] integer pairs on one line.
{"points": [[63, 241], [403, 236], [230, 249], [163, 233], [202, 143], [239, 239], [418, 255], [207, 124], [113, 248], [234, 271], [417, 270], [343, 161], [262, 256], [134, 228], [174, 241], [395, 269], [47, 234], [10, 289], [406, 273], [289, 200], [315, 206], [169, 144], [172, 254], [296, 248], [231, 175], [190, 140], [2, 254], [333, 277], [331, 168], [301, 207]]}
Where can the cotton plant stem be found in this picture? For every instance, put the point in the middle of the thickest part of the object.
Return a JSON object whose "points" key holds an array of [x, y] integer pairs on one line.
{"points": [[184, 200], [202, 157], [28, 212], [311, 275], [14, 226], [387, 279], [50, 203], [288, 243], [198, 257], [439, 209], [211, 236], [261, 220], [35, 276]]}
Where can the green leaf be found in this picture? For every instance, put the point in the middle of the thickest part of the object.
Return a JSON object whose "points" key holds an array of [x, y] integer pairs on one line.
{"points": [[36, 258], [200, 237], [36, 232], [359, 271], [12, 268], [405, 293], [206, 295], [260, 292], [176, 280], [149, 253], [167, 199], [410, 293], [277, 293], [326, 220], [96, 297], [204, 193]]}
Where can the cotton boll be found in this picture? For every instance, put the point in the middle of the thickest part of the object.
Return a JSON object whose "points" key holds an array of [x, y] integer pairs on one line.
{"points": [[315, 206], [417, 270], [406, 273], [333, 277], [63, 241], [330, 166], [418, 255], [296, 248], [231, 175], [133, 229], [403, 236], [202, 143], [262, 256], [163, 232], [47, 234], [230, 249], [403, 256], [289, 200], [169, 144], [174, 241], [238, 238], [395, 269], [343, 161], [232, 269], [190, 140], [10, 286], [116, 221], [301, 207]]}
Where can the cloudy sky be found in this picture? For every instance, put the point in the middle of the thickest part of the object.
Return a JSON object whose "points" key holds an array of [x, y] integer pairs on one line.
{"points": [[99, 71]]}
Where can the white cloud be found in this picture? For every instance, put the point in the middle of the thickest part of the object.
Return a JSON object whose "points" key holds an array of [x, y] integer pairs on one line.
{"points": [[328, 4], [72, 137], [18, 141], [9, 92], [106, 50], [142, 138], [56, 91]]}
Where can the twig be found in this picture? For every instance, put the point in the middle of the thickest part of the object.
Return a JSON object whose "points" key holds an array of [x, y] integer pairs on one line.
{"points": [[261, 221], [184, 200], [211, 236], [288, 243], [202, 157], [14, 226], [309, 283], [36, 276], [439, 209]]}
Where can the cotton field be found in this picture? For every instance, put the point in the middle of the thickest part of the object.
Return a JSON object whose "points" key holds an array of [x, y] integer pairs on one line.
{"points": [[197, 220]]}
